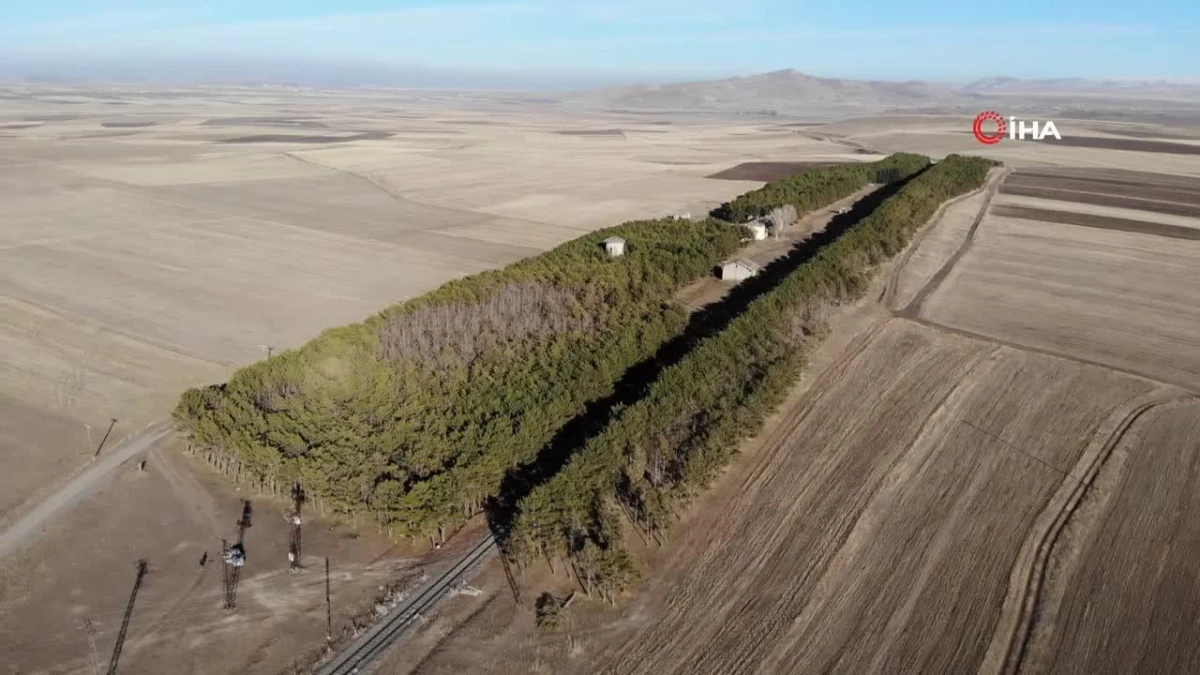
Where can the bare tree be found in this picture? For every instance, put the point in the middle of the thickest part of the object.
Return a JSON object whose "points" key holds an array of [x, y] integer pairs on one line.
{"points": [[782, 216], [462, 331]]}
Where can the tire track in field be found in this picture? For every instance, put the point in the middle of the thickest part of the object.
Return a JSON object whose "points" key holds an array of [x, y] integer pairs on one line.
{"points": [[1028, 583], [888, 297], [914, 307]]}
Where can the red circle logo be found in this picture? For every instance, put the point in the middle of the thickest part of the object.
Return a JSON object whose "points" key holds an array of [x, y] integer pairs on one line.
{"points": [[992, 138]]}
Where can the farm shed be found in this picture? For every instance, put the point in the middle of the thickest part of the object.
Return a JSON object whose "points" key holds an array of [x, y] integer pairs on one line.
{"points": [[614, 246], [737, 270], [758, 230]]}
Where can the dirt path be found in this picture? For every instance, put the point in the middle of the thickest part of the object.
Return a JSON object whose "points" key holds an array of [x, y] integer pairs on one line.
{"points": [[704, 292], [31, 524], [888, 297], [914, 307]]}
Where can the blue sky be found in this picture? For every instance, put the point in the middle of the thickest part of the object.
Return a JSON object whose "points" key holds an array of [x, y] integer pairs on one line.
{"points": [[644, 39]]}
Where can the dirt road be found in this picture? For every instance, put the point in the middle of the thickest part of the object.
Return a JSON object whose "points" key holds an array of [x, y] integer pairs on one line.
{"points": [[30, 525]]}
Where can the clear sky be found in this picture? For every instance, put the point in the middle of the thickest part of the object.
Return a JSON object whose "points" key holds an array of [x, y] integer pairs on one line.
{"points": [[641, 39]]}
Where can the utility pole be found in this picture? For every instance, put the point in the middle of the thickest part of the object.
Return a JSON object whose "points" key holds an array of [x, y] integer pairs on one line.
{"points": [[91, 638], [235, 557], [294, 520], [137, 585], [102, 440], [328, 607]]}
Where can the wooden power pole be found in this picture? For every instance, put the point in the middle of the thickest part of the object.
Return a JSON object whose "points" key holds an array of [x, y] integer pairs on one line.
{"points": [[328, 607], [294, 523]]}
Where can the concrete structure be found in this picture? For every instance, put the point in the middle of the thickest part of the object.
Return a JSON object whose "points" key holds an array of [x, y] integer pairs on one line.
{"points": [[758, 230], [614, 246], [737, 270]]}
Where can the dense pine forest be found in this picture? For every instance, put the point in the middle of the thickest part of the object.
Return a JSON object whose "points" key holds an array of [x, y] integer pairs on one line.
{"points": [[813, 189], [413, 418], [662, 450]]}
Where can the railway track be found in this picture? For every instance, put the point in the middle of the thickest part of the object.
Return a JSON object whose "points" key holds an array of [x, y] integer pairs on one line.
{"points": [[363, 652]]}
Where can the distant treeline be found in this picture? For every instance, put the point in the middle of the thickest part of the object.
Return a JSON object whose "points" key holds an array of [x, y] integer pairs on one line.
{"points": [[413, 418], [814, 189], [662, 450]]}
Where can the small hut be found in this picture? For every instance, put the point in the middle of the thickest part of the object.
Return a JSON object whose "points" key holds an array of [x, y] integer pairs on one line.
{"points": [[758, 230], [739, 269], [614, 247]]}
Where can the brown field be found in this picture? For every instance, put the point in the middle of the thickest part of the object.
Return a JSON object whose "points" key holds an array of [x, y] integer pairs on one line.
{"points": [[904, 492], [1098, 221], [1131, 301], [998, 483], [1137, 191], [135, 265], [1118, 570], [1135, 145], [765, 171]]}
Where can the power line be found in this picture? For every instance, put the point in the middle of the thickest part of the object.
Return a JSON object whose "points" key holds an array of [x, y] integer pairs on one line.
{"points": [[1030, 455]]}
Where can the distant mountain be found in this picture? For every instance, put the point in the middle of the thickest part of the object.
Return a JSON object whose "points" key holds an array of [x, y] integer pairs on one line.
{"points": [[780, 92], [1001, 85]]}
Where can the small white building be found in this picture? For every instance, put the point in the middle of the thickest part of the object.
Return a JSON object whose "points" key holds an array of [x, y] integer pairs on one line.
{"points": [[739, 269], [758, 230], [614, 246]]}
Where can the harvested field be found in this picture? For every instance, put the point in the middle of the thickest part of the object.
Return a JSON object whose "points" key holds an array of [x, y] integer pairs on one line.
{"points": [[128, 125], [936, 246], [266, 121], [1175, 197], [1097, 221], [766, 171], [1135, 145], [1086, 208], [1126, 300], [1154, 134], [592, 132], [1127, 560], [135, 266], [864, 542], [297, 138]]}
